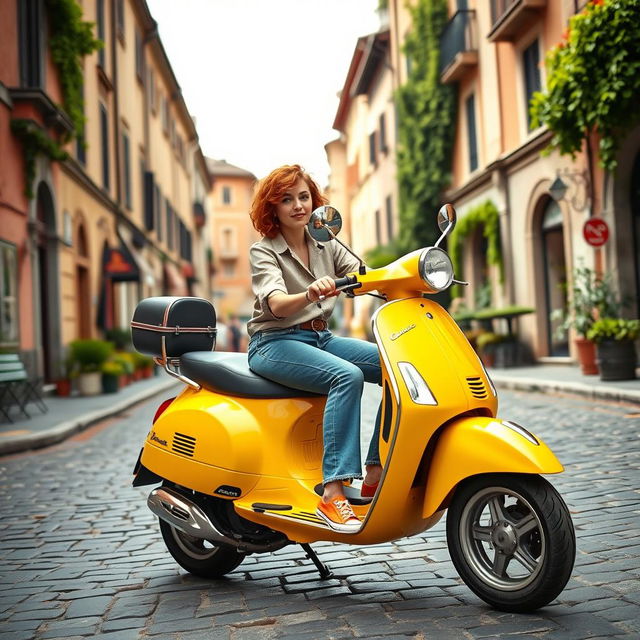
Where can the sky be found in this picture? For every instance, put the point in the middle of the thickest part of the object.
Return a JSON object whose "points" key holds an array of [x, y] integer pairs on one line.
{"points": [[261, 77]]}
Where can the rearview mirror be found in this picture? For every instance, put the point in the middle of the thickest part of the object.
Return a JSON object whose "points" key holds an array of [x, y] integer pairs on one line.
{"points": [[325, 223], [446, 216]]}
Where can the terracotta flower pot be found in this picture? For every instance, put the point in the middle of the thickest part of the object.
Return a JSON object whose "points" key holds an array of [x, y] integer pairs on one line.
{"points": [[63, 388], [587, 356]]}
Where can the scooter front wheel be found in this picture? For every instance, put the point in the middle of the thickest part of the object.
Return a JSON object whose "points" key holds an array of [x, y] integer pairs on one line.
{"points": [[511, 539], [198, 556]]}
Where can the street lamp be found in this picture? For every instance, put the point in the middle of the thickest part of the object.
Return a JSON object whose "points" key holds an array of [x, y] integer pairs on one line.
{"points": [[579, 199]]}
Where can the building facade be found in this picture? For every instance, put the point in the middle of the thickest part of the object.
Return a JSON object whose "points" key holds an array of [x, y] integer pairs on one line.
{"points": [[232, 235], [493, 52], [125, 215], [362, 182]]}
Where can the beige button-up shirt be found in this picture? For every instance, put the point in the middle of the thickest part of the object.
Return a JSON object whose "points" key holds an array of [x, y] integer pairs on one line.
{"points": [[274, 267]]}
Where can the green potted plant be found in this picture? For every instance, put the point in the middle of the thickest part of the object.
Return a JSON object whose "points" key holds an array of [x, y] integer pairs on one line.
{"points": [[591, 297], [88, 356], [615, 338], [111, 372], [125, 358], [487, 344]]}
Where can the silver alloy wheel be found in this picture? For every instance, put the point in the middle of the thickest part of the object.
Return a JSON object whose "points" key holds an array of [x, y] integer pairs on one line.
{"points": [[195, 548], [502, 538]]}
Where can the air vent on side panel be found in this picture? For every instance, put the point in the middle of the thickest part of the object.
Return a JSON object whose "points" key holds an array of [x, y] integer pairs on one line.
{"points": [[184, 444], [477, 388]]}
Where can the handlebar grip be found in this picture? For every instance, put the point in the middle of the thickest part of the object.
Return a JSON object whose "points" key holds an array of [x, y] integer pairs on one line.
{"points": [[345, 282]]}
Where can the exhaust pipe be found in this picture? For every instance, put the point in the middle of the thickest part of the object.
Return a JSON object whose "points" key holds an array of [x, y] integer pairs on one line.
{"points": [[186, 516]]}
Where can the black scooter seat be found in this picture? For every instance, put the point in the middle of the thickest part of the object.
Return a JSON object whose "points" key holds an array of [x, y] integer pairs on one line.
{"points": [[229, 373]]}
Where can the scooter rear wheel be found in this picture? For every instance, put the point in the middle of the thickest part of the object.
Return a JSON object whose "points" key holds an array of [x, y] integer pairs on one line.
{"points": [[198, 556], [511, 539]]}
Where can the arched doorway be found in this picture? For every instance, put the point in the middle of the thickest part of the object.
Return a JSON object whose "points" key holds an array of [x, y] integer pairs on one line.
{"points": [[48, 298], [555, 275], [634, 202], [83, 289]]}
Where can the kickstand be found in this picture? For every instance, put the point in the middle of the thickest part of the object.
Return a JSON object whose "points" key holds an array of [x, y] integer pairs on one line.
{"points": [[323, 570]]}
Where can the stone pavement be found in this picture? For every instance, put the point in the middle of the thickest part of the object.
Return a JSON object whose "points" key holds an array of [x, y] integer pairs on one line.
{"points": [[66, 416], [82, 556]]}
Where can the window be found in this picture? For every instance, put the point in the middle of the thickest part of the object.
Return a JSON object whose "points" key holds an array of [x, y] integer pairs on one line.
{"points": [[383, 134], [104, 138], [8, 294], [149, 207], [372, 148], [153, 102], [101, 32], [229, 268], [164, 113], [139, 57], [378, 228], [120, 19], [31, 43], [157, 208], [531, 68], [170, 226], [81, 150], [126, 170], [470, 109], [226, 195], [389, 214]]}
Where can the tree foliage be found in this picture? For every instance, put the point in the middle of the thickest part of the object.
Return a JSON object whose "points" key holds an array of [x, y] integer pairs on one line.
{"points": [[593, 84], [426, 126]]}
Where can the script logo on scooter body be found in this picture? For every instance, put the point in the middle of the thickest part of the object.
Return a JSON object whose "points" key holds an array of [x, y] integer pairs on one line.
{"points": [[155, 438], [397, 334]]}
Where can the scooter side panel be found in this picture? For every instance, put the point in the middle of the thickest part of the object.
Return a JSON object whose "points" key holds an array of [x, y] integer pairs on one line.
{"points": [[472, 446], [209, 434]]}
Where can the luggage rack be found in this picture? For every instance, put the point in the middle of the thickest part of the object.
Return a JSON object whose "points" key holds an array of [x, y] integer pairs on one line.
{"points": [[166, 363]]}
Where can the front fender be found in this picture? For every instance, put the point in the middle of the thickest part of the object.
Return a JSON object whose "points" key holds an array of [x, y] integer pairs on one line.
{"points": [[471, 446]]}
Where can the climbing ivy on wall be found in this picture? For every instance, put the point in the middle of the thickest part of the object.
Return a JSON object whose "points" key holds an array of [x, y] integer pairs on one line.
{"points": [[426, 127], [485, 215], [71, 40], [34, 141]]}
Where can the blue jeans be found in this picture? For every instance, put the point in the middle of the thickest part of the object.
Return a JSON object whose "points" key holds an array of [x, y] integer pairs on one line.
{"points": [[320, 362]]}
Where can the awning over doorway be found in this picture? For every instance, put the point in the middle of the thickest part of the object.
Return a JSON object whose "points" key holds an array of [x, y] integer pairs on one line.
{"points": [[128, 239], [175, 283]]}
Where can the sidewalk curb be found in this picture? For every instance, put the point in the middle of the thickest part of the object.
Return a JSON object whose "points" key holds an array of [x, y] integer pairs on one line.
{"points": [[599, 392], [65, 429]]}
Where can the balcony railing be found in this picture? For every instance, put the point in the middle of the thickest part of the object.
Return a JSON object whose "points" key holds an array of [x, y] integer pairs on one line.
{"points": [[458, 46], [510, 17]]}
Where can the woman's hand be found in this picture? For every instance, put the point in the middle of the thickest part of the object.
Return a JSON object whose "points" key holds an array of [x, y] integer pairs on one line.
{"points": [[321, 289]]}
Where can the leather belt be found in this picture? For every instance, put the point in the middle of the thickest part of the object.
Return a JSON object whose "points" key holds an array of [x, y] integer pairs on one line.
{"points": [[317, 324]]}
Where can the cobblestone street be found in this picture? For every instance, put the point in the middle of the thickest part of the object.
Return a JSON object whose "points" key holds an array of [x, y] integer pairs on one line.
{"points": [[82, 556]]}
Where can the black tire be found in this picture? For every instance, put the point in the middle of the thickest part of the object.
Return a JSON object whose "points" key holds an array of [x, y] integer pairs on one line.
{"points": [[197, 556], [495, 519]]}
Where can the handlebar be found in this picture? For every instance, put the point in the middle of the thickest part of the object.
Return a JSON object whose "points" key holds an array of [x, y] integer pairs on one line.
{"points": [[347, 282]]}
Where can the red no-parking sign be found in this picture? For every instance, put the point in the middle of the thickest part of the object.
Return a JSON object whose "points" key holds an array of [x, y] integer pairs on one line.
{"points": [[595, 232]]}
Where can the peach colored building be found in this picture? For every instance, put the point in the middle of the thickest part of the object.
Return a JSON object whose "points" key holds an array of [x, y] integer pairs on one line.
{"points": [[362, 182], [124, 217], [232, 235]]}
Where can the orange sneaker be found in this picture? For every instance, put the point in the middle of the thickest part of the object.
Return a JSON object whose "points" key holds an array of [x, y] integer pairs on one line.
{"points": [[368, 490], [339, 515]]}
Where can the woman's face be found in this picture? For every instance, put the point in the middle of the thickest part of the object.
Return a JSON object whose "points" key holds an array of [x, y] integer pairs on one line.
{"points": [[294, 209]]}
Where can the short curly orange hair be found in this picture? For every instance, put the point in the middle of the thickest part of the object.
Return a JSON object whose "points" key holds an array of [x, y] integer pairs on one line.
{"points": [[271, 190]]}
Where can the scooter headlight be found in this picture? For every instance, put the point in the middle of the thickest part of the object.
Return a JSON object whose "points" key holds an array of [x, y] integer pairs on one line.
{"points": [[435, 268]]}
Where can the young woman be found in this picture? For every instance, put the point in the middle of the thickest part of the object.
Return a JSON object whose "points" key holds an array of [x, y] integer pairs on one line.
{"points": [[293, 282]]}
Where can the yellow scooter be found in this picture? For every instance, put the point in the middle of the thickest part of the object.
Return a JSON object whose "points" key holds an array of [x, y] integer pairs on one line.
{"points": [[239, 457]]}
